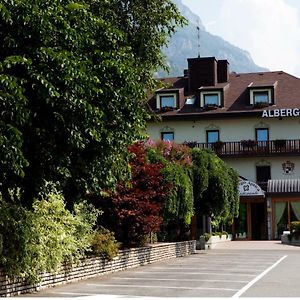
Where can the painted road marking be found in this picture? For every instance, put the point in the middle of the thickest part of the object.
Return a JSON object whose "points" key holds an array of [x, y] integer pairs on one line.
{"points": [[242, 259], [162, 287], [180, 279], [196, 273], [231, 268], [261, 275], [72, 294]]}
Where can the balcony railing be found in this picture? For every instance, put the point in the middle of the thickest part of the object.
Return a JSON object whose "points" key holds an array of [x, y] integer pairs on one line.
{"points": [[253, 148]]}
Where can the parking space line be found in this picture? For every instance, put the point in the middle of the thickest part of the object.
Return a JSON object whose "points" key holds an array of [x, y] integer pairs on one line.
{"points": [[197, 273], [225, 259], [162, 287], [257, 278], [231, 268], [181, 279], [72, 294]]}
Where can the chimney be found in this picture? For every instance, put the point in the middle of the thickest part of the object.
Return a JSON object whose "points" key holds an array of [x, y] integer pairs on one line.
{"points": [[185, 72], [223, 71], [202, 72]]}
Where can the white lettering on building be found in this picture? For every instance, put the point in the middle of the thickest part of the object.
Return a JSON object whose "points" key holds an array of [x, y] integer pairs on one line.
{"points": [[265, 114], [279, 113]]}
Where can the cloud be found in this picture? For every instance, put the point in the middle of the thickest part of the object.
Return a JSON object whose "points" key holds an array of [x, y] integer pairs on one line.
{"points": [[268, 29]]}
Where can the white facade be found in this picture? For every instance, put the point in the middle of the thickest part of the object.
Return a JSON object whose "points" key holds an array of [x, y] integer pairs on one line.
{"points": [[235, 130], [252, 122], [231, 130]]}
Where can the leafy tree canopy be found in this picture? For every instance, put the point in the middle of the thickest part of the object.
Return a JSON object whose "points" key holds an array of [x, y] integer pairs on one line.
{"points": [[135, 210], [177, 160], [215, 186], [73, 77]]}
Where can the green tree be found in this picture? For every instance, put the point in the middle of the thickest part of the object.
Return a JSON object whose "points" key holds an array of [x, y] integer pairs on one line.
{"points": [[73, 77], [215, 186], [178, 208]]}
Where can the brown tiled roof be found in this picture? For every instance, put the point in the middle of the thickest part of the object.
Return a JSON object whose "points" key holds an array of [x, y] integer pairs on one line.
{"points": [[236, 93], [262, 84]]}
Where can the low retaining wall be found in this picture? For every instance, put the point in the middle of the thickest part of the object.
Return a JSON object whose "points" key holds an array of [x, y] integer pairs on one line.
{"points": [[94, 266], [215, 239], [293, 241], [212, 242]]}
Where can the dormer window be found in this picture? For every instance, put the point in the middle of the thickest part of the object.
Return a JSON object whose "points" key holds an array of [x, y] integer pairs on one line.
{"points": [[166, 101], [210, 99], [261, 97], [262, 94]]}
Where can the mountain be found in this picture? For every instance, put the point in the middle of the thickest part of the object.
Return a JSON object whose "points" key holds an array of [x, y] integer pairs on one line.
{"points": [[184, 44]]}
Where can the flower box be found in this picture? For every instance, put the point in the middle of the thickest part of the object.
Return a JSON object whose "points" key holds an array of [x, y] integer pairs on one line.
{"points": [[217, 146], [248, 144], [210, 107], [279, 144]]}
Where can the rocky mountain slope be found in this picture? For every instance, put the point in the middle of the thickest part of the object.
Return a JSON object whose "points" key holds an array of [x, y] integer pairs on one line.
{"points": [[184, 44]]}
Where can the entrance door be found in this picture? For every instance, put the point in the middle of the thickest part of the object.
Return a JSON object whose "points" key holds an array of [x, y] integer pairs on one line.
{"points": [[258, 221], [251, 223]]}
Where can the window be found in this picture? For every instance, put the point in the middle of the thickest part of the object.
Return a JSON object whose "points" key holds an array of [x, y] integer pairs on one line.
{"points": [[212, 136], [285, 213], [260, 97], [263, 174], [262, 134], [167, 136], [190, 100], [166, 101], [211, 99]]}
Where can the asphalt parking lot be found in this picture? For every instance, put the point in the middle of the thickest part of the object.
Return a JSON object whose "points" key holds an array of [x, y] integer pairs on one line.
{"points": [[252, 269]]}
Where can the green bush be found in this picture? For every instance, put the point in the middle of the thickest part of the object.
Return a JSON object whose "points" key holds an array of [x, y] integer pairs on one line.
{"points": [[295, 226], [225, 233], [217, 233], [295, 230], [17, 235], [43, 238], [207, 236], [105, 244]]}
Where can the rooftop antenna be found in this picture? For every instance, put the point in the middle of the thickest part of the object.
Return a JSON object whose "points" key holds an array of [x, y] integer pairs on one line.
{"points": [[198, 29]]}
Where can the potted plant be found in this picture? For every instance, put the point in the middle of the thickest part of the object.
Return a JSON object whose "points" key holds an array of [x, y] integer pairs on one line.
{"points": [[261, 105], [166, 109], [210, 106], [191, 144], [279, 144], [249, 144], [218, 145]]}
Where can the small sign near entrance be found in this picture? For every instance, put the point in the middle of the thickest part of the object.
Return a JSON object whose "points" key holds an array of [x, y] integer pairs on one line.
{"points": [[249, 188]]}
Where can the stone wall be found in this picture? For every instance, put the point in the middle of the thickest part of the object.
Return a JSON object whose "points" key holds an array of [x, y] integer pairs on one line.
{"points": [[94, 266]]}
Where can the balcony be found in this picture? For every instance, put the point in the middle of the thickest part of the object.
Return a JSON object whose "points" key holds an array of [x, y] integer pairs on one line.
{"points": [[252, 148]]}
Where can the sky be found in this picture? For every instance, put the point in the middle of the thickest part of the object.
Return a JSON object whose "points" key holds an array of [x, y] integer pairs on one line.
{"points": [[268, 29]]}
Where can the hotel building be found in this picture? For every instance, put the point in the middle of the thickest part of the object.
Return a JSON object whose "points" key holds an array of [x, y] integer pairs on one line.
{"points": [[252, 121]]}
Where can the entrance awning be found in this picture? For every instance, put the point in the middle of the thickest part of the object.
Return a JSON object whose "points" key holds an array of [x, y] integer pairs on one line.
{"points": [[283, 186], [250, 189]]}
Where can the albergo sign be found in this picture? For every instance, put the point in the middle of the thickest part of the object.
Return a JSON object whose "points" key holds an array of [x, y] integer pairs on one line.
{"points": [[283, 112]]}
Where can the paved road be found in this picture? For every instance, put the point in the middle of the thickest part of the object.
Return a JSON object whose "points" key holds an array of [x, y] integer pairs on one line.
{"points": [[235, 269]]}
